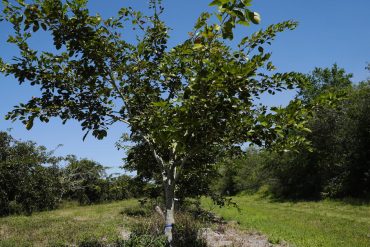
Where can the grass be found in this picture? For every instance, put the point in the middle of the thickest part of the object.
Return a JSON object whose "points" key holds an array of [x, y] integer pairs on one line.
{"points": [[311, 224], [67, 225]]}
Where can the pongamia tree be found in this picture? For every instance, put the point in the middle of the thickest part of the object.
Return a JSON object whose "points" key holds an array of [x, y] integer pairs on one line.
{"points": [[181, 102]]}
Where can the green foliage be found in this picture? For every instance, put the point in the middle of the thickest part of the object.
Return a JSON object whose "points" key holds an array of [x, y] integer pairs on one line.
{"points": [[193, 180], [336, 166], [84, 180], [230, 14], [29, 178], [137, 211], [246, 173], [177, 100], [188, 104], [124, 187], [339, 164], [326, 80]]}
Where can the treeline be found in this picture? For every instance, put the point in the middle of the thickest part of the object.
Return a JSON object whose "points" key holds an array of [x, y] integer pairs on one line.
{"points": [[33, 179], [338, 165]]}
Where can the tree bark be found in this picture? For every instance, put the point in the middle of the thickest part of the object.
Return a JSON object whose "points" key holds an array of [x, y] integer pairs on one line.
{"points": [[169, 187], [169, 179]]}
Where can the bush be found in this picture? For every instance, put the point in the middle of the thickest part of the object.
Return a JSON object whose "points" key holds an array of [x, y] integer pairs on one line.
{"points": [[134, 241], [91, 243], [150, 227], [143, 241], [186, 232], [136, 211]]}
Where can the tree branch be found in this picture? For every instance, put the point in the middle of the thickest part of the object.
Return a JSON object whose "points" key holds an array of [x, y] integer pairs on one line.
{"points": [[156, 155]]}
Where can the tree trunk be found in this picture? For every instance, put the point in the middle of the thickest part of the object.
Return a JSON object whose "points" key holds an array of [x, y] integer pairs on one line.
{"points": [[169, 187]]}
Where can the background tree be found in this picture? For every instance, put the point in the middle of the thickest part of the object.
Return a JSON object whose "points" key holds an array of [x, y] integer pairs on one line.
{"points": [[246, 173], [124, 187], [84, 181], [182, 101], [33, 179], [29, 177], [324, 80], [87, 182], [338, 164]]}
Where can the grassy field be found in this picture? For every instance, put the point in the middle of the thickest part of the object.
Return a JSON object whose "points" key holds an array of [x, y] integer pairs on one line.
{"points": [[311, 224], [70, 224]]}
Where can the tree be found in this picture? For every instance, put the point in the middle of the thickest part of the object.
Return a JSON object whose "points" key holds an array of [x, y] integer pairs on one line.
{"points": [[181, 102], [26, 183], [324, 80], [246, 173], [84, 181], [338, 165]]}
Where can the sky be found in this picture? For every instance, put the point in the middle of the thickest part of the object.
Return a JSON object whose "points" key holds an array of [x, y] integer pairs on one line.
{"points": [[329, 31]]}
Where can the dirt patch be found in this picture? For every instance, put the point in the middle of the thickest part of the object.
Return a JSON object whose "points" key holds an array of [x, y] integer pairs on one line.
{"points": [[80, 218], [61, 213], [4, 232], [227, 235], [124, 234]]}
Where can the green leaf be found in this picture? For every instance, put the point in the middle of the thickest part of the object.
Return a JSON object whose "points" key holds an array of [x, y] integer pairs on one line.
{"points": [[244, 23], [218, 2], [29, 124], [215, 3], [36, 26], [198, 46], [160, 104], [43, 26]]}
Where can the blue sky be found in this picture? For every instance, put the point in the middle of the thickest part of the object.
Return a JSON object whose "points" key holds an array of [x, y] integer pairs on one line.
{"points": [[329, 31]]}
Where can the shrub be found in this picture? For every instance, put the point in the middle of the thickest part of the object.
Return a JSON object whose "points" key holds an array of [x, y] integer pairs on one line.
{"points": [[134, 241], [136, 211], [186, 232]]}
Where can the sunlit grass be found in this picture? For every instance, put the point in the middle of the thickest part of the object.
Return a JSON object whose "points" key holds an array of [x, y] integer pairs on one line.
{"points": [[325, 223], [67, 225]]}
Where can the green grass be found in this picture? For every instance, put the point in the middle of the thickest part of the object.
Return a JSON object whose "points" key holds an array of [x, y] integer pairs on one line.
{"points": [[311, 224], [67, 225]]}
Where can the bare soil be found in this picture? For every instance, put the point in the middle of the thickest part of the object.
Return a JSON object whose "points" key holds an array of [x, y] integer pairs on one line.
{"points": [[228, 235]]}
